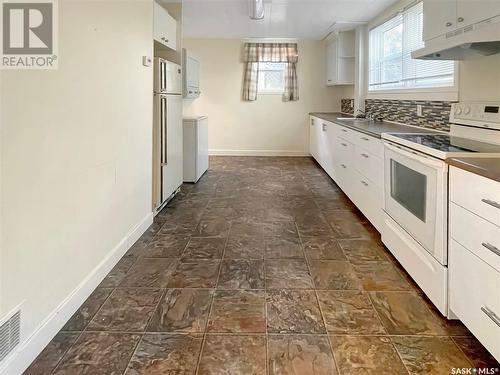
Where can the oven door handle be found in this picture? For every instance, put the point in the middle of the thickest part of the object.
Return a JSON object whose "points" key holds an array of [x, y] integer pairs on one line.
{"points": [[414, 155]]}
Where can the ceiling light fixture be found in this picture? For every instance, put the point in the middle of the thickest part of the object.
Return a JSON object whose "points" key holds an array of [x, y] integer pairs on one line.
{"points": [[256, 9]]}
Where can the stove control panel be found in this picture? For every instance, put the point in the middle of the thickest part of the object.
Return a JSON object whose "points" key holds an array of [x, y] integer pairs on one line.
{"points": [[480, 114]]}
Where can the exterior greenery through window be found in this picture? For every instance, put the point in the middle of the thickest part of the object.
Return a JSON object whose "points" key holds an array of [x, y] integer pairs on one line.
{"points": [[390, 64]]}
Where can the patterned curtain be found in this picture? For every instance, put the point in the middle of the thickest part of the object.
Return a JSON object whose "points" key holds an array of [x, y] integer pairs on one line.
{"points": [[270, 52], [250, 81], [291, 92]]}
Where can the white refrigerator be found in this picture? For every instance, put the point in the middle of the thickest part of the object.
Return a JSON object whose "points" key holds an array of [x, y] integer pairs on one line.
{"points": [[167, 132]]}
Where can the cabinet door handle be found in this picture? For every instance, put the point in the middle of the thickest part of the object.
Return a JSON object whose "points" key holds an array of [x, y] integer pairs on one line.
{"points": [[364, 183], [491, 203], [448, 24], [460, 19], [490, 314], [324, 127], [491, 248], [312, 123], [344, 144], [365, 156], [345, 131], [365, 138]]}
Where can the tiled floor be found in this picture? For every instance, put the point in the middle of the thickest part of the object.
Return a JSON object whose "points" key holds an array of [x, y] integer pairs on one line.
{"points": [[263, 266]]}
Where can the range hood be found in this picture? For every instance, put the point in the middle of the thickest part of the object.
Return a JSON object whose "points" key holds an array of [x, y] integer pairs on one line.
{"points": [[470, 42]]}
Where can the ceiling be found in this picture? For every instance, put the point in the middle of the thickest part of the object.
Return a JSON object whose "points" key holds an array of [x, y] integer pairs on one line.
{"points": [[298, 19]]}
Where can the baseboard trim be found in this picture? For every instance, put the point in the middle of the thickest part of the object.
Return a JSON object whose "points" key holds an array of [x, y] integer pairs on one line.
{"points": [[28, 350], [218, 152]]}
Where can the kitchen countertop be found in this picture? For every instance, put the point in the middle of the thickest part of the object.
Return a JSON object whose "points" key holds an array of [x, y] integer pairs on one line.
{"points": [[373, 128], [486, 167]]}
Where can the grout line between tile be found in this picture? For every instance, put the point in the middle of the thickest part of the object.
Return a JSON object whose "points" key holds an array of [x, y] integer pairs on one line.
{"points": [[264, 262], [65, 352], [212, 303], [463, 352], [319, 304], [133, 352]]}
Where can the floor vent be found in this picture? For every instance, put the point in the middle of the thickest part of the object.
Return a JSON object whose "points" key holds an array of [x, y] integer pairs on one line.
{"points": [[10, 334]]}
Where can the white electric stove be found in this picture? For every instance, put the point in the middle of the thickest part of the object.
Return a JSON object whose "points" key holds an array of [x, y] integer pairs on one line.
{"points": [[415, 226], [474, 129]]}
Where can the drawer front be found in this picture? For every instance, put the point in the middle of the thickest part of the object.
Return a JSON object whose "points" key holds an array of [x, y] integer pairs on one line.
{"points": [[368, 198], [479, 236], [343, 174], [371, 144], [346, 133], [343, 151], [474, 296], [368, 165], [476, 193]]}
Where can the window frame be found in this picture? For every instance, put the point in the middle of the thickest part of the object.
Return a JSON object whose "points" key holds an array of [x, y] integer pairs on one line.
{"points": [[271, 91], [445, 93]]}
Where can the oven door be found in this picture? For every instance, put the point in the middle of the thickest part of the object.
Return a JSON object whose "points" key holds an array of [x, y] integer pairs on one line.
{"points": [[415, 196]]}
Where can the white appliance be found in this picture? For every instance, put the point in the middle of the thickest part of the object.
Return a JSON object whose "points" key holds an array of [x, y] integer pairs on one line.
{"points": [[415, 204], [471, 41], [167, 132], [195, 147]]}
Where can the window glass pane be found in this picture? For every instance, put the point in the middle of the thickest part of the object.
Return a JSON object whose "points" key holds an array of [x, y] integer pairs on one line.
{"points": [[391, 57], [409, 188], [272, 77], [390, 62]]}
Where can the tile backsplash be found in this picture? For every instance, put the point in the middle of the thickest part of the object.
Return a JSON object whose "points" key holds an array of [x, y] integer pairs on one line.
{"points": [[435, 114], [347, 106]]}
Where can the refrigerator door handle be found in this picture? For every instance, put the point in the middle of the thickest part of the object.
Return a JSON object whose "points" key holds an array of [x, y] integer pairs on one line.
{"points": [[165, 77], [163, 130], [161, 66]]}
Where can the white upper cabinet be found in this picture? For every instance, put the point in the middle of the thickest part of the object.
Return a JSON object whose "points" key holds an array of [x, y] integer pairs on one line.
{"points": [[439, 17], [191, 75], [443, 16], [340, 59], [473, 11], [193, 72], [331, 63], [165, 27]]}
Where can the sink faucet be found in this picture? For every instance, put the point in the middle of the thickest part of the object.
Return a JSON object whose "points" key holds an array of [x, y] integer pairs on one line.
{"points": [[377, 117], [360, 114]]}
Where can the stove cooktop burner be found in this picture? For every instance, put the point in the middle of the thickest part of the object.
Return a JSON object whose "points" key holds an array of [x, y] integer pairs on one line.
{"points": [[448, 143]]}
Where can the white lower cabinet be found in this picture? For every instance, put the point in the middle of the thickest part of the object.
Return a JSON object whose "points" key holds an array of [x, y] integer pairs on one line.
{"points": [[368, 198], [475, 296], [368, 165], [474, 255], [353, 160], [313, 143]]}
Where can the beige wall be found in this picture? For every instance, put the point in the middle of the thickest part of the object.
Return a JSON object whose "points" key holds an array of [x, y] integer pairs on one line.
{"points": [[269, 125], [76, 155]]}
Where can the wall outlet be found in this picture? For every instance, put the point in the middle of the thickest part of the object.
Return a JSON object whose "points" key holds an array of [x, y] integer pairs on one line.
{"points": [[147, 60], [419, 110]]}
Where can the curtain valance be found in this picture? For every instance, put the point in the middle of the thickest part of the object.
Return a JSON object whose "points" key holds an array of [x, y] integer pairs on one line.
{"points": [[270, 52]]}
